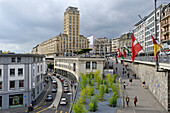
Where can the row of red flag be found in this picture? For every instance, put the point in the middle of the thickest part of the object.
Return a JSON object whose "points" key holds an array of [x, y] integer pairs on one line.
{"points": [[136, 48]]}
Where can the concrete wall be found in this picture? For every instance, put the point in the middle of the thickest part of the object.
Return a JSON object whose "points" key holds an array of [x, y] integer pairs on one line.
{"points": [[157, 82]]}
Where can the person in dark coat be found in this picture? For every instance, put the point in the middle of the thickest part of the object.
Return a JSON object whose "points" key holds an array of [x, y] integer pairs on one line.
{"points": [[127, 100], [135, 100]]}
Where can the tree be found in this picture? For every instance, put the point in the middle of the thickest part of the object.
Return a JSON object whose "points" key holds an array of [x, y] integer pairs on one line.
{"points": [[50, 66], [113, 100], [90, 91], [93, 103], [98, 81], [115, 88], [83, 95], [101, 92], [84, 80], [106, 89], [96, 74], [79, 107]]}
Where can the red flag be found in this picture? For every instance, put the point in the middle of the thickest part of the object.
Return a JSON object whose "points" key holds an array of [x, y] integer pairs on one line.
{"points": [[119, 53], [136, 47], [124, 52]]}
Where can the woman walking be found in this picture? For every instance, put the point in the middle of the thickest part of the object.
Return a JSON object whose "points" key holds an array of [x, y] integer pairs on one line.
{"points": [[135, 100]]}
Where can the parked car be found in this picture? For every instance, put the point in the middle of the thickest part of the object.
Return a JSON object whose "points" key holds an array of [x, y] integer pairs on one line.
{"points": [[49, 98], [54, 90], [65, 84], [63, 101]]}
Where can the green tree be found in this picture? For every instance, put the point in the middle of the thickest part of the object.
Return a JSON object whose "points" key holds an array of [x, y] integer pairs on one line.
{"points": [[96, 74], [98, 81], [106, 89], [50, 66], [101, 92], [113, 100], [115, 88], [90, 90], [93, 103], [84, 80], [83, 95], [78, 107]]}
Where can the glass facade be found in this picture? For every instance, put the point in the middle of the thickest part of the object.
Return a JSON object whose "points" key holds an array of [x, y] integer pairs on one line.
{"points": [[16, 100]]}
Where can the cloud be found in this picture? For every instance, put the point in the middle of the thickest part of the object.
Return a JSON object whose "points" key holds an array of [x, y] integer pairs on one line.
{"points": [[26, 23]]}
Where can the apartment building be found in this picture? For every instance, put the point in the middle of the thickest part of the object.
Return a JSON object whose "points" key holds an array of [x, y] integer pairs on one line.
{"points": [[125, 41], [102, 46], [69, 41], [141, 30], [165, 27], [21, 79], [115, 45]]}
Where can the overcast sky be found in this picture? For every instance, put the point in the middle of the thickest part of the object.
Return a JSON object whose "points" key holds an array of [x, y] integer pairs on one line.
{"points": [[26, 23]]}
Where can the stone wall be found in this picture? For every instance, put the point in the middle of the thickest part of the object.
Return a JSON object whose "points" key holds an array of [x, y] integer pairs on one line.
{"points": [[156, 82]]}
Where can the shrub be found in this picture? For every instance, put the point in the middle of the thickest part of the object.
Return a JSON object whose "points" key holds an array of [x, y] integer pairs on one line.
{"points": [[106, 89], [83, 95], [113, 100], [101, 92], [90, 91], [78, 107], [93, 103], [115, 88]]}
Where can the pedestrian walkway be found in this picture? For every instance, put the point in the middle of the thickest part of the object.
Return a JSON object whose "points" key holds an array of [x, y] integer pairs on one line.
{"points": [[147, 103]]}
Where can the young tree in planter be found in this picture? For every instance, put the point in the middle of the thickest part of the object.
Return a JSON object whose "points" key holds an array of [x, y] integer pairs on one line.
{"points": [[113, 100], [115, 88], [84, 80], [98, 81], [96, 74], [114, 78], [90, 91], [93, 103], [79, 107], [101, 92], [106, 89], [83, 95]]}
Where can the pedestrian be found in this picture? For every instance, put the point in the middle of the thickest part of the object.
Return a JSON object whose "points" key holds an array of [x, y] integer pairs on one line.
{"points": [[128, 75], [135, 100], [130, 80], [32, 102], [116, 69], [143, 84], [127, 100], [135, 75], [120, 80], [122, 72], [124, 85]]}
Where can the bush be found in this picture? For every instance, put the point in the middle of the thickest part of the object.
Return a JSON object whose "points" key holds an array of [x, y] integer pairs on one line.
{"points": [[78, 107], [90, 91], [101, 92], [83, 95], [106, 89], [84, 80], [93, 103], [113, 100], [115, 88]]}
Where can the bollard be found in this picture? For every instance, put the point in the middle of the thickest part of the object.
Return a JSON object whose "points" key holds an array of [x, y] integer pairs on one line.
{"points": [[25, 104]]}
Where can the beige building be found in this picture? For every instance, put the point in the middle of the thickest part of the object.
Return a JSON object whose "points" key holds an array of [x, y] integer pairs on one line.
{"points": [[165, 27], [125, 40], [67, 43], [73, 67], [102, 46], [115, 44]]}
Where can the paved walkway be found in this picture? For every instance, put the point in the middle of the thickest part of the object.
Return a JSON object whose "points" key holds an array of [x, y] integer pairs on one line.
{"points": [[147, 103]]}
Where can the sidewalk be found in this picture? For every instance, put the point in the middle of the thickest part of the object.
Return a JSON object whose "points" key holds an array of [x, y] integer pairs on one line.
{"points": [[147, 103]]}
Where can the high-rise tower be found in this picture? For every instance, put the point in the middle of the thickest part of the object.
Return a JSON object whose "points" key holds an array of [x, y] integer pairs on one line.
{"points": [[71, 27]]}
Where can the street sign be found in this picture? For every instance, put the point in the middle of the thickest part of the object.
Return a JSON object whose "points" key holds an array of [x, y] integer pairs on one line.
{"points": [[24, 96]]}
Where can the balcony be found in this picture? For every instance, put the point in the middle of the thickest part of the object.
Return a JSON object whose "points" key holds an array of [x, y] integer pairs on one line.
{"points": [[165, 24]]}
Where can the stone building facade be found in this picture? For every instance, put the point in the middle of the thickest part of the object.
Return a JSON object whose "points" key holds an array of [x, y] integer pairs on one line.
{"points": [[65, 44]]}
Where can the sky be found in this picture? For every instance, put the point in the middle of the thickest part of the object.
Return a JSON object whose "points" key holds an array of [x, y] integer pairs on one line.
{"points": [[26, 23]]}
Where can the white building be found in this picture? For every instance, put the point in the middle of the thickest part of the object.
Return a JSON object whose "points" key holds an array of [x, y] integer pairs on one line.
{"points": [[141, 31], [21, 79]]}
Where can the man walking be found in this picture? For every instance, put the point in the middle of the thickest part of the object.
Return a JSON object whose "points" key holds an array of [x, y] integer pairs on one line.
{"points": [[135, 100]]}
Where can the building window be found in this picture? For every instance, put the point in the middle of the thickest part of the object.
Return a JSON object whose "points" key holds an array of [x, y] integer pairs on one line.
{"points": [[12, 84], [0, 85], [18, 59], [94, 65], [87, 65], [13, 59], [21, 83], [0, 72], [38, 79], [12, 72], [20, 71], [15, 100]]}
